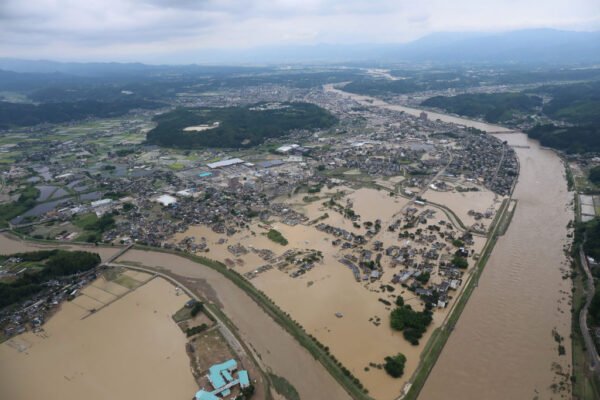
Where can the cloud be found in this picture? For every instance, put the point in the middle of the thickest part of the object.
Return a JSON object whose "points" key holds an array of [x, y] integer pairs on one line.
{"points": [[139, 29]]}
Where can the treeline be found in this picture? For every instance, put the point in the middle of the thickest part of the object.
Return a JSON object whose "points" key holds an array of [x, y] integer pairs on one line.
{"points": [[238, 126], [591, 231], [95, 229], [53, 264], [493, 107], [21, 114], [577, 103], [380, 87], [277, 237]]}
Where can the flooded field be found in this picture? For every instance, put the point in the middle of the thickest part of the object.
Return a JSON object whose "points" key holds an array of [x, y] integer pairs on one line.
{"points": [[375, 204], [462, 203], [131, 349]]}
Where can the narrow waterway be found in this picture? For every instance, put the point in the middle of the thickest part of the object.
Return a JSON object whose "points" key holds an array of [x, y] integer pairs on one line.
{"points": [[503, 345]]}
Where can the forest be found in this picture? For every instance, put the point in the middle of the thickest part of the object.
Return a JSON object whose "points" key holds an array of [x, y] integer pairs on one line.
{"points": [[493, 107], [24, 114], [238, 127]]}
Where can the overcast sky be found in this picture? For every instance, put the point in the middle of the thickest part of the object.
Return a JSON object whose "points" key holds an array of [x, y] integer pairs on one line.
{"points": [[151, 30]]}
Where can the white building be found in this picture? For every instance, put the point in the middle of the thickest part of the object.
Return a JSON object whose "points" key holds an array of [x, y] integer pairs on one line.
{"points": [[166, 200], [184, 193], [225, 163], [286, 148], [100, 203]]}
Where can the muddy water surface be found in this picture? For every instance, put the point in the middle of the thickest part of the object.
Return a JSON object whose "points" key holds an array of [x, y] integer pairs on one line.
{"points": [[131, 349]]}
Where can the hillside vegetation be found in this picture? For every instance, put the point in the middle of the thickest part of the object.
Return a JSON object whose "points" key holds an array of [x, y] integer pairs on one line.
{"points": [[23, 114], [493, 107], [237, 126]]}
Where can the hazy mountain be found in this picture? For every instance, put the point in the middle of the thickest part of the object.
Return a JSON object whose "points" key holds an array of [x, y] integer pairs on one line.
{"points": [[527, 46], [532, 47]]}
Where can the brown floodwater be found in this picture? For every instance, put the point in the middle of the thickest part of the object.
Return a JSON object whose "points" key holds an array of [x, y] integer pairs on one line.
{"points": [[313, 299], [502, 346]]}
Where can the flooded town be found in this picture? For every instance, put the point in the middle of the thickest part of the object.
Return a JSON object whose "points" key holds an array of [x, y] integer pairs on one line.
{"points": [[387, 207], [290, 232]]}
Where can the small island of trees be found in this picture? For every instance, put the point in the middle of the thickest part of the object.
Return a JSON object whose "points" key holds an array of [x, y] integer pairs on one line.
{"points": [[277, 237], [394, 366]]}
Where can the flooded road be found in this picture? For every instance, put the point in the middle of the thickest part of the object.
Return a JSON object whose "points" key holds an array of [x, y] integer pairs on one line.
{"points": [[503, 346]]}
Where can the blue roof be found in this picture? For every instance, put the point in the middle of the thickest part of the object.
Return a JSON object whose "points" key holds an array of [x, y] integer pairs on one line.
{"points": [[215, 373], [243, 377], [205, 174], [202, 395], [227, 375]]}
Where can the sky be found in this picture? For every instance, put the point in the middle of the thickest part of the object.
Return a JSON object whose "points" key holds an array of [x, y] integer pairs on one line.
{"points": [[187, 30]]}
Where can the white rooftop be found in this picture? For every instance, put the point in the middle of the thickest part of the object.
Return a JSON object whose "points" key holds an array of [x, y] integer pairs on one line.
{"points": [[166, 200], [225, 163]]}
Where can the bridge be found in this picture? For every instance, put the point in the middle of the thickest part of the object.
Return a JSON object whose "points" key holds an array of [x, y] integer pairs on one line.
{"points": [[503, 132], [117, 255]]}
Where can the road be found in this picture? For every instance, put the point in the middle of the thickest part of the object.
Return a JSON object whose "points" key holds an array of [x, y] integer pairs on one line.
{"points": [[589, 341], [499, 164]]}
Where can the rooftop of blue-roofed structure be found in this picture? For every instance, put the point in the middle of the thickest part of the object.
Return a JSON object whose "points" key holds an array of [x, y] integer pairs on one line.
{"points": [[221, 379]]}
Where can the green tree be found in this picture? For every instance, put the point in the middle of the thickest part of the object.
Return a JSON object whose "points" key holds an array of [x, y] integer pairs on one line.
{"points": [[460, 262], [394, 366]]}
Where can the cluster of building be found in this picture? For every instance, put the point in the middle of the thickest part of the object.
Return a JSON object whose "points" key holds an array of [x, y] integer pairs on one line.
{"points": [[222, 379]]}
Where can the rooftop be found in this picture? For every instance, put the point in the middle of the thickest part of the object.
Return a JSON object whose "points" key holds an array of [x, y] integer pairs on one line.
{"points": [[225, 163]]}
